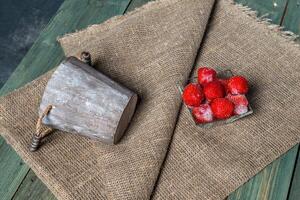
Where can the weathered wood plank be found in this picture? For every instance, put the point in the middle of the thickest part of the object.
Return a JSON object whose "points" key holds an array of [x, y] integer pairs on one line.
{"points": [[273, 9], [291, 20], [21, 22], [12, 171], [272, 183], [33, 188], [19, 32], [104, 116], [44, 55], [295, 184]]}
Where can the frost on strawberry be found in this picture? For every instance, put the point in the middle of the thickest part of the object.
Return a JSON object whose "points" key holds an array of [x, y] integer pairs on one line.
{"points": [[240, 103], [203, 113], [240, 109], [206, 75]]}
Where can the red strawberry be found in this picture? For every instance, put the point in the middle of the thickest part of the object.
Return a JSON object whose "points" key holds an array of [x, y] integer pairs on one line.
{"points": [[222, 108], [192, 95], [206, 75], [240, 103], [238, 85], [224, 82], [213, 90], [203, 113]]}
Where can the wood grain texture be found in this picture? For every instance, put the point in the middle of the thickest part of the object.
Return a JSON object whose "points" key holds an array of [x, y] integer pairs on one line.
{"points": [[86, 102], [20, 25], [295, 184], [17, 35], [272, 183], [44, 55], [33, 188], [12, 171], [291, 20], [274, 10]]}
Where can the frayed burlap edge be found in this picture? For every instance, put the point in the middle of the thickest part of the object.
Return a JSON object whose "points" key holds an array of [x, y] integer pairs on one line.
{"points": [[266, 23], [116, 20], [287, 36]]}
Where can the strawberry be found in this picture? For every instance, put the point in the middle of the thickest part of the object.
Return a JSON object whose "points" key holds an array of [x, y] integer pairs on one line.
{"points": [[238, 85], [203, 113], [213, 90], [192, 95], [240, 103], [206, 75], [222, 108]]}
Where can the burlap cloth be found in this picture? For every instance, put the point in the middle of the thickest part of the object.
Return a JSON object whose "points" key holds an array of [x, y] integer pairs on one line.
{"points": [[149, 51]]}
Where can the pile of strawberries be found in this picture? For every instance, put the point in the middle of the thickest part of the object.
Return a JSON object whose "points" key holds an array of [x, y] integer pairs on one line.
{"points": [[213, 98]]}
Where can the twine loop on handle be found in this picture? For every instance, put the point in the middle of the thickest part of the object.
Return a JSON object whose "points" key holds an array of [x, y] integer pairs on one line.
{"points": [[40, 133]]}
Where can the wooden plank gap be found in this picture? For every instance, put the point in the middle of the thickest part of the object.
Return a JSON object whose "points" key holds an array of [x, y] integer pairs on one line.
{"points": [[297, 161], [20, 184], [284, 13], [126, 9]]}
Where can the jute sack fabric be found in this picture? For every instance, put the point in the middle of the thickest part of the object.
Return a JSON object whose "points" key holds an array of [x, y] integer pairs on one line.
{"points": [[149, 51]]}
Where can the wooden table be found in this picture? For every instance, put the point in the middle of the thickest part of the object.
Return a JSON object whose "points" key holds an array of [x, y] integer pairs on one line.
{"points": [[279, 181]]}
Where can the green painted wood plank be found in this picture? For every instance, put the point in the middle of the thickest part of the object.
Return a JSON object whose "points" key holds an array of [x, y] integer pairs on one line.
{"points": [[12, 171], [20, 25], [295, 184], [274, 8], [32, 188], [291, 20], [44, 55], [46, 52], [272, 183], [30, 17]]}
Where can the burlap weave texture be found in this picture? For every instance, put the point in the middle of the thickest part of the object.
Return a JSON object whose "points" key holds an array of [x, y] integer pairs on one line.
{"points": [[150, 51]]}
